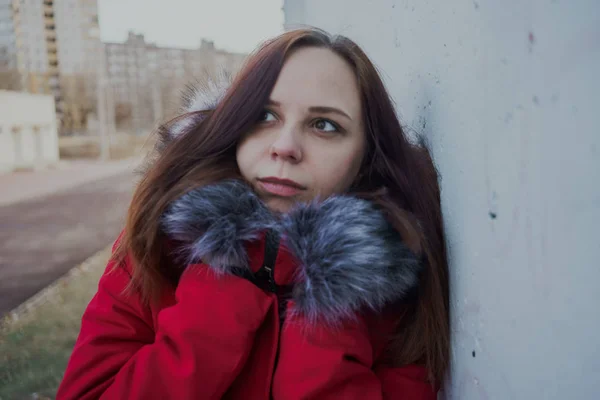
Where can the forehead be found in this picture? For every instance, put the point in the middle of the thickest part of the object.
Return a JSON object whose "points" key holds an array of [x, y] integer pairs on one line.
{"points": [[317, 77]]}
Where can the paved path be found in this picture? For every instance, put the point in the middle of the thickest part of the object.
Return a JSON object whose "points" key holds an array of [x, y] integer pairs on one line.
{"points": [[43, 237], [25, 185]]}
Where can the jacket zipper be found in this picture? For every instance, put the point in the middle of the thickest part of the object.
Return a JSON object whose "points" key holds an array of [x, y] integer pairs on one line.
{"points": [[267, 272], [265, 276], [271, 249]]}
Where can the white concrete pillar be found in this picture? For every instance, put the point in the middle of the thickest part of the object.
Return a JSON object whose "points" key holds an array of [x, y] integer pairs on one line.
{"points": [[508, 94]]}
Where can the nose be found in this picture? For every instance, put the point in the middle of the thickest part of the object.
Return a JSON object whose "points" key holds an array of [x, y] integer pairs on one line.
{"points": [[286, 146]]}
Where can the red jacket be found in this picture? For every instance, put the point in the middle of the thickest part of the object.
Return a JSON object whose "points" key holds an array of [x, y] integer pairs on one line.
{"points": [[258, 321]]}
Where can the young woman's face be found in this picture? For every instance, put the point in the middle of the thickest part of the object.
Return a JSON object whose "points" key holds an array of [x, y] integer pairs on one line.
{"points": [[310, 140]]}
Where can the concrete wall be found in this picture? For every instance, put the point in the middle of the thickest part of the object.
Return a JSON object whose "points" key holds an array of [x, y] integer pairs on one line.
{"points": [[294, 15], [509, 94], [28, 135]]}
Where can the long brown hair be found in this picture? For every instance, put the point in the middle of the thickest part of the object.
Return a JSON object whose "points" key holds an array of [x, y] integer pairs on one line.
{"points": [[397, 174]]}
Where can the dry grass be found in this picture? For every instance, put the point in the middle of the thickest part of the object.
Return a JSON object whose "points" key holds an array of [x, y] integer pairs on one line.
{"points": [[35, 348], [122, 146]]}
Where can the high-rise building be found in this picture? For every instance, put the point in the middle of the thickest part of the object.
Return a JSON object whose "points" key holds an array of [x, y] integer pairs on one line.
{"points": [[79, 48], [147, 80], [52, 47], [129, 68], [9, 74], [28, 48]]}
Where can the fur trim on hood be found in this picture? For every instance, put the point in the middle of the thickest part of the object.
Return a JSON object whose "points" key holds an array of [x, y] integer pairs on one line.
{"points": [[350, 257], [200, 96]]}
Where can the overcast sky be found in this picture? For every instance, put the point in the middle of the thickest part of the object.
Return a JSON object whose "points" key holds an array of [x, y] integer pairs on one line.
{"points": [[234, 25]]}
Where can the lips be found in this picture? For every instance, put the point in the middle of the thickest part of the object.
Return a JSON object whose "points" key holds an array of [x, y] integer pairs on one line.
{"points": [[280, 187]]}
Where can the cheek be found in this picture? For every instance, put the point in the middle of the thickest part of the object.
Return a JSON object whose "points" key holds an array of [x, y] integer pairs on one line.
{"points": [[351, 166], [247, 155], [337, 172]]}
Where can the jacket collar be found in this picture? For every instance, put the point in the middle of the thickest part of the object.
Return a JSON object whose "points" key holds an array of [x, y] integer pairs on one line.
{"points": [[350, 257]]}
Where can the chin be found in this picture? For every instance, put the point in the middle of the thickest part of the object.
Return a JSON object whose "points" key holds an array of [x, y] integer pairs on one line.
{"points": [[280, 205]]}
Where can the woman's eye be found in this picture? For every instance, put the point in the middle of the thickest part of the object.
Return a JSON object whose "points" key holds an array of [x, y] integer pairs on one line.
{"points": [[267, 116], [326, 126]]}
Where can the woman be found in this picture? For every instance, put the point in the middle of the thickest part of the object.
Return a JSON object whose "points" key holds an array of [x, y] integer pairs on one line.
{"points": [[285, 243]]}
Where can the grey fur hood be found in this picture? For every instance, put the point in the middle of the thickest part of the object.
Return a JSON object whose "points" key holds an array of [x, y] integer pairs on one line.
{"points": [[350, 257], [198, 97]]}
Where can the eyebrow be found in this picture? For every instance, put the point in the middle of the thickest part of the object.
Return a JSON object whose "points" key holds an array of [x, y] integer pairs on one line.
{"points": [[318, 109]]}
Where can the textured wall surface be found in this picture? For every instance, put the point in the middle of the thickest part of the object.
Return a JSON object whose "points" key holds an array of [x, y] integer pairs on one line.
{"points": [[508, 93]]}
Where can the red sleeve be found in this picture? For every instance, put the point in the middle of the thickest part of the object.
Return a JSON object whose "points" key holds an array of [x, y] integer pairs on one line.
{"points": [[323, 362], [199, 346]]}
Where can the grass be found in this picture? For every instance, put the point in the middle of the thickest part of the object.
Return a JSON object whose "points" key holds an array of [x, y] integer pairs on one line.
{"points": [[122, 146], [35, 348]]}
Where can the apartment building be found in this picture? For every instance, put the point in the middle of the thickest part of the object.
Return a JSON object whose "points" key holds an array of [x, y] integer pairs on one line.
{"points": [[147, 80], [79, 49], [10, 78], [52, 47]]}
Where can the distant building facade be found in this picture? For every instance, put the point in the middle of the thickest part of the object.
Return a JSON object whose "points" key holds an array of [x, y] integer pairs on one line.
{"points": [[146, 80], [52, 47]]}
